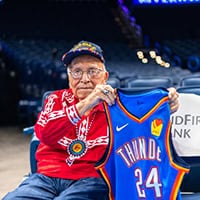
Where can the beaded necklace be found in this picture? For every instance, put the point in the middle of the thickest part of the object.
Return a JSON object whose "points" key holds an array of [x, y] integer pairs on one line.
{"points": [[84, 127], [78, 147]]}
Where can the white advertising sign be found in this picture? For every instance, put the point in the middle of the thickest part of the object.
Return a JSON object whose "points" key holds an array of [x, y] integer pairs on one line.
{"points": [[186, 126]]}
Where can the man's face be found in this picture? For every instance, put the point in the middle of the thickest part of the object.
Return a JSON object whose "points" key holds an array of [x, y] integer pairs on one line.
{"points": [[93, 73]]}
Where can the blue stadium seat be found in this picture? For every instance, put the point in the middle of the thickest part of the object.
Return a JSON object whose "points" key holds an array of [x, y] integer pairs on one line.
{"points": [[34, 140], [190, 81], [189, 89], [114, 82], [33, 146], [149, 82]]}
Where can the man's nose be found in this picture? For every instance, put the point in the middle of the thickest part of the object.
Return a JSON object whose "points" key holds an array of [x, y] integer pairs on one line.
{"points": [[85, 76]]}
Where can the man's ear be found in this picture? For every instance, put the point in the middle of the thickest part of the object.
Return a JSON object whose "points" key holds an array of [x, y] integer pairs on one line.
{"points": [[106, 76]]}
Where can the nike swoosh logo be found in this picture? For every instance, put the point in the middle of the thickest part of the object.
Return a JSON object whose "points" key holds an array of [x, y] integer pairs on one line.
{"points": [[121, 127]]}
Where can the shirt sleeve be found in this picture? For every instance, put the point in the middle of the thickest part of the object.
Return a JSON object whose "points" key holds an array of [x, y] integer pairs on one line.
{"points": [[57, 119]]}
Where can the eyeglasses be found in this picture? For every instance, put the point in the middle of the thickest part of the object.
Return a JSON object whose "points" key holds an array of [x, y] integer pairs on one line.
{"points": [[91, 73]]}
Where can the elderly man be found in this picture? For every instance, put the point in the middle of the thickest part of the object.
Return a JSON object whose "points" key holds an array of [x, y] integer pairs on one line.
{"points": [[73, 132]]}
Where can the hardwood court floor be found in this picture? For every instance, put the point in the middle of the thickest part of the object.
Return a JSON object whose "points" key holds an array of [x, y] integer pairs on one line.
{"points": [[14, 158]]}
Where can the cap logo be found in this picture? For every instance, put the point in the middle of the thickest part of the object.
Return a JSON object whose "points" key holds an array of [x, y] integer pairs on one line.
{"points": [[84, 45]]}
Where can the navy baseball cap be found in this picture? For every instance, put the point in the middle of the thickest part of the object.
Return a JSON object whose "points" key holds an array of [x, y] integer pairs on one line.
{"points": [[83, 48]]}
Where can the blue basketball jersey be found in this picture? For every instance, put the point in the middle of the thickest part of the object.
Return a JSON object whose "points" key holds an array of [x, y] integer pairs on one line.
{"points": [[141, 162]]}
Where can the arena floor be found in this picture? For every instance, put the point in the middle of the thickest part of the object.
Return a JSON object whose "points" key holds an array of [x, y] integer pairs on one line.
{"points": [[14, 158]]}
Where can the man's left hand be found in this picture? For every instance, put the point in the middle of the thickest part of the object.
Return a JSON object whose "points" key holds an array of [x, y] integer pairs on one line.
{"points": [[173, 99]]}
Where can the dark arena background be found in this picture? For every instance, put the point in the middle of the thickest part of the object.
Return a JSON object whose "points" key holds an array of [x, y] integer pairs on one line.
{"points": [[35, 34], [144, 42]]}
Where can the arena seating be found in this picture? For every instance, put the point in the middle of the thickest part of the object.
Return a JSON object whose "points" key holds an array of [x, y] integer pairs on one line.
{"points": [[39, 69], [114, 82], [36, 49], [149, 82], [34, 140], [190, 81], [186, 50]]}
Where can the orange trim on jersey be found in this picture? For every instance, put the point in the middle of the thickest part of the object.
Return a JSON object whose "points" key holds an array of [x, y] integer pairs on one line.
{"points": [[177, 184], [181, 170], [101, 166], [110, 137], [164, 99]]}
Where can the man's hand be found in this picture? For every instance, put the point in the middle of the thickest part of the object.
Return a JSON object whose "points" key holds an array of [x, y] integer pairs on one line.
{"points": [[100, 93], [173, 99]]}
